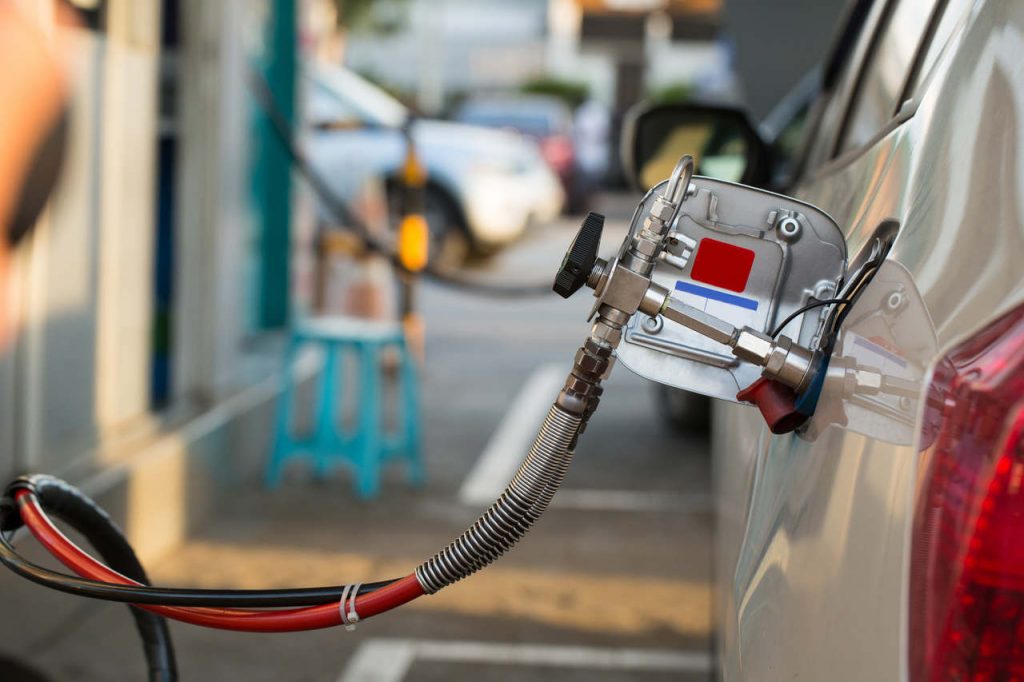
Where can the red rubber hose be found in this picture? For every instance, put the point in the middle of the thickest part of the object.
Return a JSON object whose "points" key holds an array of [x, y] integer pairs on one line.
{"points": [[249, 620]]}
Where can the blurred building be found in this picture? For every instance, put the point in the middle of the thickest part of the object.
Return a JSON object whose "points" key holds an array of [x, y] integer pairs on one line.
{"points": [[163, 256], [437, 51], [434, 50], [629, 49]]}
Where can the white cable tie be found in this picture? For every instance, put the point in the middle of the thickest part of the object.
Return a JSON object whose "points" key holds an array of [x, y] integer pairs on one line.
{"points": [[341, 605], [351, 618]]}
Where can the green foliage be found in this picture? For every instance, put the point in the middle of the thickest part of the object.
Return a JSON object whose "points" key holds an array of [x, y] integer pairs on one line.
{"points": [[350, 12], [381, 16], [674, 93], [573, 92]]}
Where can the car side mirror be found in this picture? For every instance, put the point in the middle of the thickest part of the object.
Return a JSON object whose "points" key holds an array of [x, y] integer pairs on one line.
{"points": [[722, 141]]}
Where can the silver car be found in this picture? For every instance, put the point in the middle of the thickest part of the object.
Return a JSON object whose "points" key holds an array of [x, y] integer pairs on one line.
{"points": [[884, 540], [485, 186]]}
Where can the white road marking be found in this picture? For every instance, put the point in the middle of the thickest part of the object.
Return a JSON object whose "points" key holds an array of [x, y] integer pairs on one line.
{"points": [[388, 660], [632, 501], [510, 442], [380, 660]]}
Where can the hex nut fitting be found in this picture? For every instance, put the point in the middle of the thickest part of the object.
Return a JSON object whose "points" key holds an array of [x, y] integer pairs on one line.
{"points": [[789, 363], [646, 247], [753, 346], [606, 334], [662, 209], [587, 364]]}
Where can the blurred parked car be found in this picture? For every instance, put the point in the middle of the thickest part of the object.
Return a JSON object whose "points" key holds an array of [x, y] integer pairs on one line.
{"points": [[484, 186], [547, 120], [884, 541]]}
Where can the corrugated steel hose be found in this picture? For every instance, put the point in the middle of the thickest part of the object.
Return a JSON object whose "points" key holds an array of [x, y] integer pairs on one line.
{"points": [[28, 500], [514, 512]]}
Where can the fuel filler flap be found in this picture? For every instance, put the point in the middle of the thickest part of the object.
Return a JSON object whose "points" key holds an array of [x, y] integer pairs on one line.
{"points": [[747, 256]]}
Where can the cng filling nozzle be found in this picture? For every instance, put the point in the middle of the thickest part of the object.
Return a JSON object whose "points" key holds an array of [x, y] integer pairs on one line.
{"points": [[624, 286]]}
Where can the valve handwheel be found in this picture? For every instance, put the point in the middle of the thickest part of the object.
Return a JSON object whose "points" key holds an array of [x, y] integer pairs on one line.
{"points": [[580, 258]]}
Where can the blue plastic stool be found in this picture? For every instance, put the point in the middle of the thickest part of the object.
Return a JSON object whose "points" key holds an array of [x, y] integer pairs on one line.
{"points": [[366, 448]]}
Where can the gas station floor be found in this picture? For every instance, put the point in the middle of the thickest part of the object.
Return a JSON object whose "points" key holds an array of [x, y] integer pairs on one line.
{"points": [[612, 583]]}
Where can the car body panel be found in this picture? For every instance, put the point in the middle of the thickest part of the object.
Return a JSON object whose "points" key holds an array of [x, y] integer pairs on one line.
{"points": [[813, 534]]}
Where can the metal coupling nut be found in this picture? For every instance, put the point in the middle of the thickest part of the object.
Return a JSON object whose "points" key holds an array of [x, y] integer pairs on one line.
{"points": [[753, 346], [662, 210], [575, 395], [789, 363], [589, 365], [647, 245], [606, 334]]}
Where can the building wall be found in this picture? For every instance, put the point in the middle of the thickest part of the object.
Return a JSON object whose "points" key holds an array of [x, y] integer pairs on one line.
{"points": [[214, 226], [79, 368], [76, 385], [125, 231], [447, 47], [661, 60]]}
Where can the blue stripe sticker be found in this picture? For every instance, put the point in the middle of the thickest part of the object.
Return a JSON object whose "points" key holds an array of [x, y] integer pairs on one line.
{"points": [[714, 295]]}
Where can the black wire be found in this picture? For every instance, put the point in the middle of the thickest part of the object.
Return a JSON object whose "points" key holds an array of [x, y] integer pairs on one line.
{"points": [[800, 311], [339, 208], [170, 596], [99, 530], [156, 596]]}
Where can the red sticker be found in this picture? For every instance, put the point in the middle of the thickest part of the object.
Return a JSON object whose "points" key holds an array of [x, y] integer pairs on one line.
{"points": [[721, 264]]}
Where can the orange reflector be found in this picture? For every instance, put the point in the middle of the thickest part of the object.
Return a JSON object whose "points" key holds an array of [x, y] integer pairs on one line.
{"points": [[412, 242], [413, 172]]}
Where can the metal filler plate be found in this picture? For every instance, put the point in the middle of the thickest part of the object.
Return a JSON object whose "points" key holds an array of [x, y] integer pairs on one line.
{"points": [[747, 256]]}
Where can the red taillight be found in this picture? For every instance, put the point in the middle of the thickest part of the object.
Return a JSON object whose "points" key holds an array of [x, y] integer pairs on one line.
{"points": [[967, 556], [558, 152]]}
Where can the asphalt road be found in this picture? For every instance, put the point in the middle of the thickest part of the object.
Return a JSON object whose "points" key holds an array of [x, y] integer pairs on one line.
{"points": [[612, 584]]}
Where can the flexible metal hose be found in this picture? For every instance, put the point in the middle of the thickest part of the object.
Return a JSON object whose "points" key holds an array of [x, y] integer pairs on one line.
{"points": [[507, 520]]}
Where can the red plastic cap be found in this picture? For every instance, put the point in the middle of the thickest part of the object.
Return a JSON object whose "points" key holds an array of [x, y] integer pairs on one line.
{"points": [[777, 403]]}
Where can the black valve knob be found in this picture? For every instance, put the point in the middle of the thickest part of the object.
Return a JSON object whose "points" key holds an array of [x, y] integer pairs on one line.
{"points": [[580, 258]]}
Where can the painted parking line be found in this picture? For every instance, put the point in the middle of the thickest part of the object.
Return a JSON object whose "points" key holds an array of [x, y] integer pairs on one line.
{"points": [[388, 660], [511, 440], [632, 501]]}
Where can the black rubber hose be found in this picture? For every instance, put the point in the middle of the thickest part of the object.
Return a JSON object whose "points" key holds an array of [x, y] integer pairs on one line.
{"points": [[155, 596], [172, 596], [82, 514]]}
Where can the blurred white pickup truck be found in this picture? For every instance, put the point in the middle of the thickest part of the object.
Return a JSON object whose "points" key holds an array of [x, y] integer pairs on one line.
{"points": [[485, 186]]}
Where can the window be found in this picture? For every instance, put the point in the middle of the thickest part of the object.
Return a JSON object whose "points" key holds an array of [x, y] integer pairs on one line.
{"points": [[848, 51], [954, 15], [884, 76]]}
